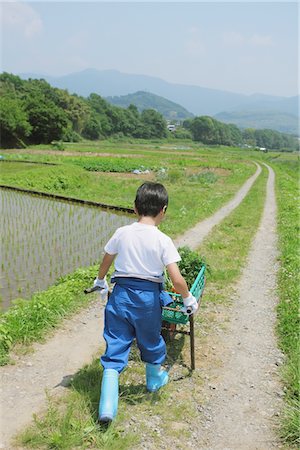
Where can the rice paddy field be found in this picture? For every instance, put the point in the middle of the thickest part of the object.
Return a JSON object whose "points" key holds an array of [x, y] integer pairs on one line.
{"points": [[44, 239]]}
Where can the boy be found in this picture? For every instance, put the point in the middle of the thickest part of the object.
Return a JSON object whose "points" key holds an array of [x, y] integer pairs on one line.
{"points": [[134, 308]]}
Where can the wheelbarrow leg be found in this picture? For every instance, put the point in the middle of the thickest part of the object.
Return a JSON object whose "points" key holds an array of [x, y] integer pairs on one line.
{"points": [[192, 341]]}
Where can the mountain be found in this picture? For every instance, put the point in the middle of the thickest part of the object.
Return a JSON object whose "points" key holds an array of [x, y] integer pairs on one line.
{"points": [[273, 120], [261, 102], [108, 83], [196, 99], [145, 100]]}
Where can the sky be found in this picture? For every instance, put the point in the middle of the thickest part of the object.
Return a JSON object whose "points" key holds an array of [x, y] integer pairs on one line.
{"points": [[242, 46]]}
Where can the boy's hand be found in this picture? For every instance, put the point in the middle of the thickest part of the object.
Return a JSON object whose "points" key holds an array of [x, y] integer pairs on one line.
{"points": [[190, 305], [102, 285]]}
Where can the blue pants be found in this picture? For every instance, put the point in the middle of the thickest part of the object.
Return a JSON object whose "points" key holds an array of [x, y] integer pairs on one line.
{"points": [[133, 311]]}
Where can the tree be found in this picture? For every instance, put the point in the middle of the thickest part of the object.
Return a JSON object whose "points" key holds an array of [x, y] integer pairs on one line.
{"points": [[249, 137], [14, 124], [48, 121], [76, 109], [153, 123], [210, 131], [133, 110], [204, 129], [92, 127], [235, 134], [100, 107]]}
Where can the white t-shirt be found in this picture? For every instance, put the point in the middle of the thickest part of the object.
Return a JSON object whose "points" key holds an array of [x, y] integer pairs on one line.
{"points": [[142, 251]]}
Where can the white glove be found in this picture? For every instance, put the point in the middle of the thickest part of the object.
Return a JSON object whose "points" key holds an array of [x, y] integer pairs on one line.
{"points": [[190, 305], [102, 285]]}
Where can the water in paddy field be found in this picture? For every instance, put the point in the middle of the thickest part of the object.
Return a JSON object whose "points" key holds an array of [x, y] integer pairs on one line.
{"points": [[44, 239]]}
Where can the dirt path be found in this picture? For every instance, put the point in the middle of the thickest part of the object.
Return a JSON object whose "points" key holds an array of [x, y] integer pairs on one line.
{"points": [[23, 386], [51, 364], [70, 153], [245, 394]]}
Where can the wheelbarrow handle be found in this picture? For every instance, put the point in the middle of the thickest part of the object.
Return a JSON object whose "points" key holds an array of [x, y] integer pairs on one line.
{"points": [[171, 309], [92, 289], [189, 310]]}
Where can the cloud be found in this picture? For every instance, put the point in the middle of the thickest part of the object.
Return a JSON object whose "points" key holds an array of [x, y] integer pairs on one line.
{"points": [[236, 39], [260, 40], [21, 17]]}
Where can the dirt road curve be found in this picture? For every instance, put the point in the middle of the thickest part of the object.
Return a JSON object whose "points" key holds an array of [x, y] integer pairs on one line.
{"points": [[23, 385], [246, 398]]}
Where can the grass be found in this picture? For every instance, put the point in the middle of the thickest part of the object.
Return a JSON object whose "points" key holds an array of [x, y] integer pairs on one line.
{"points": [[28, 321], [73, 425], [67, 428], [166, 418], [287, 186]]}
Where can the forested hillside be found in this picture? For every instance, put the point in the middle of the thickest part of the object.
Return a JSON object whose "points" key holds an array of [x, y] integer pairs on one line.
{"points": [[145, 100], [34, 112], [280, 121]]}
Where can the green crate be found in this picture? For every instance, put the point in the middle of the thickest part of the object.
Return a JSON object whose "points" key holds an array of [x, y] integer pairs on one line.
{"points": [[172, 313]]}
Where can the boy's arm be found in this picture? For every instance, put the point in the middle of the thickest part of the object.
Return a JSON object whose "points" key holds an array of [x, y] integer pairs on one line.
{"points": [[105, 265], [177, 279], [179, 283]]}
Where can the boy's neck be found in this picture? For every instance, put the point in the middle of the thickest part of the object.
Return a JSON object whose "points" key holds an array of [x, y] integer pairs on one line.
{"points": [[149, 220]]}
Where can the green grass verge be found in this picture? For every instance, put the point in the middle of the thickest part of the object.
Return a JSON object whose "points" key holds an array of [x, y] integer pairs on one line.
{"points": [[28, 321], [287, 186], [168, 416]]}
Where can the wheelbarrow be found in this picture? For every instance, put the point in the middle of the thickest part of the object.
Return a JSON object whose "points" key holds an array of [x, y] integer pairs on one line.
{"points": [[172, 315]]}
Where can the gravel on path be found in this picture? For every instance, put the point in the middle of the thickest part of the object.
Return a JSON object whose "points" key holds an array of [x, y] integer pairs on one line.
{"points": [[246, 399]]}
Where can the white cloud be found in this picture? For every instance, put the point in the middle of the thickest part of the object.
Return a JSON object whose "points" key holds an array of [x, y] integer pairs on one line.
{"points": [[260, 40], [236, 39], [20, 17]]}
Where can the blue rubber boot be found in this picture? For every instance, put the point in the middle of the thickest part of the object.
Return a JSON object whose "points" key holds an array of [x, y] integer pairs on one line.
{"points": [[156, 377], [108, 405]]}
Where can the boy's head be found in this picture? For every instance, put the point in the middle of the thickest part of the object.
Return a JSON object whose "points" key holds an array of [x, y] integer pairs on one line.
{"points": [[151, 199]]}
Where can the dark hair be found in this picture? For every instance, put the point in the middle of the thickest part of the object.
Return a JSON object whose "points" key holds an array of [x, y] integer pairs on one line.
{"points": [[150, 199]]}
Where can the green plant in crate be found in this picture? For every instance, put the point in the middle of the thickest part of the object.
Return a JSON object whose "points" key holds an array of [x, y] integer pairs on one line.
{"points": [[192, 267], [189, 266]]}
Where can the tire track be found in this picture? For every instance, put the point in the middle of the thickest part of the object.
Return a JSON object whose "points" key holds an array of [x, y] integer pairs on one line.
{"points": [[241, 414]]}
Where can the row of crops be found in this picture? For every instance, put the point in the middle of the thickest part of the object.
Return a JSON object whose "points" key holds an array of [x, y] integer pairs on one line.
{"points": [[44, 239]]}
